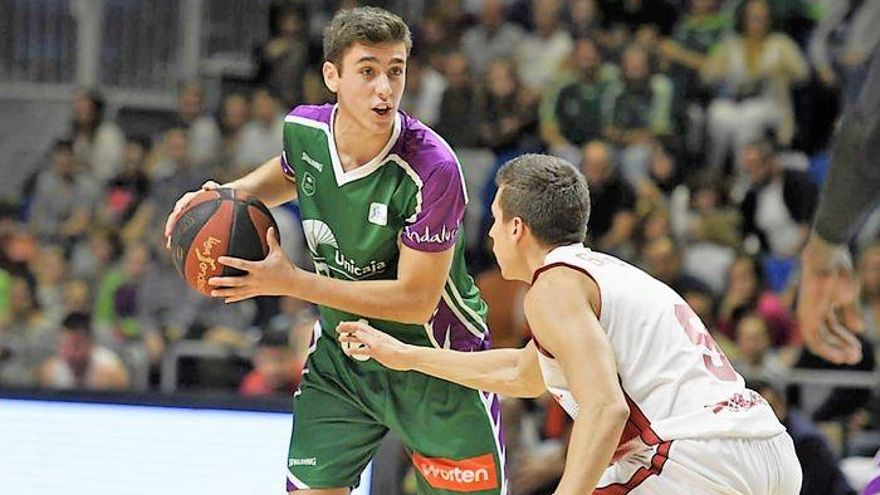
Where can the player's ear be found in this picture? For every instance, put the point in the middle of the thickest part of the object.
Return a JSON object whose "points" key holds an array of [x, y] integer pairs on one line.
{"points": [[331, 76], [518, 227]]}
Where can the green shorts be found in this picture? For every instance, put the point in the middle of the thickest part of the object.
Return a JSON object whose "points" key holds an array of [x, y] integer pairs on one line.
{"points": [[345, 407]]}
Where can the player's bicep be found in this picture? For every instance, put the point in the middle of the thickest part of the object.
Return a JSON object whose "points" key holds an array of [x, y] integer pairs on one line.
{"points": [[559, 313], [423, 273]]}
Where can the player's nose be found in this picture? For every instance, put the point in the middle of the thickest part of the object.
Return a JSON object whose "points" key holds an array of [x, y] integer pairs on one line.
{"points": [[383, 86]]}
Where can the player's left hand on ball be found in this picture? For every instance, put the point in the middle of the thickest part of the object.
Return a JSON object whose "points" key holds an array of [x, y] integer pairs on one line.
{"points": [[267, 277], [361, 340]]}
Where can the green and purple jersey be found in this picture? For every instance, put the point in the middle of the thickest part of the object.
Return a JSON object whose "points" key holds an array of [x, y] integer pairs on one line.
{"points": [[412, 193]]}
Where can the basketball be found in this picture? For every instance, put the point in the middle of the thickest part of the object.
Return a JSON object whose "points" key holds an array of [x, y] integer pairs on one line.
{"points": [[221, 222]]}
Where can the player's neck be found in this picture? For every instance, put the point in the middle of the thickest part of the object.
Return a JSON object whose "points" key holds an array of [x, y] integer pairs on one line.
{"points": [[534, 256], [354, 144]]}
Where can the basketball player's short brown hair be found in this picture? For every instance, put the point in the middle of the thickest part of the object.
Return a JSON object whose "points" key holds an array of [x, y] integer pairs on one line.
{"points": [[549, 194], [368, 25]]}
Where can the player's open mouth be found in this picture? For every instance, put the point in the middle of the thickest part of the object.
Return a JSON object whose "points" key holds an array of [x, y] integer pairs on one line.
{"points": [[382, 110]]}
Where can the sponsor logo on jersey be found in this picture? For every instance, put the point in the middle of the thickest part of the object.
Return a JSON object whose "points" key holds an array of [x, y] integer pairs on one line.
{"points": [[309, 461], [308, 184], [378, 214], [353, 268], [319, 233], [311, 161], [466, 475], [427, 237]]}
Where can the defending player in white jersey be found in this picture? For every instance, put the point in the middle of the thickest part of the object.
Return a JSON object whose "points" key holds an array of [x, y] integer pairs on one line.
{"points": [[650, 392]]}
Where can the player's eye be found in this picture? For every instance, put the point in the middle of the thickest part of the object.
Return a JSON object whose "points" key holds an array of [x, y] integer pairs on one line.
{"points": [[396, 71], [367, 71]]}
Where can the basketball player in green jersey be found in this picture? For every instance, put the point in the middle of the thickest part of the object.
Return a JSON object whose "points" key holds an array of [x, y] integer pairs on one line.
{"points": [[382, 199]]}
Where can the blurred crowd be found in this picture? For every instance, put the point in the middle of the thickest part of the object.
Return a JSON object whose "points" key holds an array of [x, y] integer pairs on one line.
{"points": [[702, 127]]}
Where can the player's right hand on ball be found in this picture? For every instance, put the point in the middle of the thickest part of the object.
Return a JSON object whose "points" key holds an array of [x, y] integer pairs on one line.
{"points": [[360, 340], [180, 206]]}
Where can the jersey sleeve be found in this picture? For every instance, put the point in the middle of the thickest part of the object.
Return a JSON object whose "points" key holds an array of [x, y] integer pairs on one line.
{"points": [[439, 211], [286, 168]]}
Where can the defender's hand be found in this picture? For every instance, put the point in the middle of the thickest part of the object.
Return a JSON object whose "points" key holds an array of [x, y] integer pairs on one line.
{"points": [[181, 205], [827, 309], [376, 344]]}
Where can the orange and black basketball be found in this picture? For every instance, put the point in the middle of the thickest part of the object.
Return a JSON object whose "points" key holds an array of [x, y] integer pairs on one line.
{"points": [[221, 222]]}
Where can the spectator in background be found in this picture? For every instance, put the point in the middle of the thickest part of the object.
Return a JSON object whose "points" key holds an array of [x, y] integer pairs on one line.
{"points": [[63, 200], [509, 113], [754, 72], [708, 228], [869, 290], [493, 38], [50, 268], [694, 37], [234, 114], [779, 205], [843, 41], [76, 296], [637, 13], [755, 357], [26, 335], [459, 120], [664, 173], [583, 19], [577, 109], [276, 368], [81, 364], [612, 218], [453, 20], [662, 259], [261, 138], [541, 53], [822, 475], [685, 52], [424, 91], [92, 257], [745, 292], [98, 144], [202, 132], [126, 193], [172, 171], [640, 112], [283, 61], [116, 299]]}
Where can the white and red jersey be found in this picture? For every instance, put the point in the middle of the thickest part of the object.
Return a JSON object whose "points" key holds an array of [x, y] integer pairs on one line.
{"points": [[678, 383]]}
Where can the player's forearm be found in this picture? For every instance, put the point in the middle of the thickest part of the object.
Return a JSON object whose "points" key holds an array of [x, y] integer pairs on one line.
{"points": [[594, 438], [492, 371], [268, 183], [853, 183], [390, 300]]}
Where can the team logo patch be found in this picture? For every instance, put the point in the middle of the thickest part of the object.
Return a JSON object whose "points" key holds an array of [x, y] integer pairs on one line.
{"points": [[473, 474], [308, 184], [378, 214]]}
